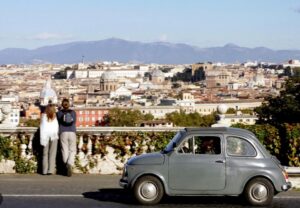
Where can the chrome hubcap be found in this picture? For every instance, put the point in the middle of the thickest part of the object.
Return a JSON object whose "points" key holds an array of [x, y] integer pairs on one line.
{"points": [[259, 192], [148, 190]]}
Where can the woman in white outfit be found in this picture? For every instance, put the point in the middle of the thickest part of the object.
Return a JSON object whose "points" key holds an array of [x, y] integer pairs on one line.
{"points": [[49, 138]]}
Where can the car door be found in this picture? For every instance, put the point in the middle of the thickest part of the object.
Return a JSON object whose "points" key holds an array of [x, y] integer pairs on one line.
{"points": [[194, 166]]}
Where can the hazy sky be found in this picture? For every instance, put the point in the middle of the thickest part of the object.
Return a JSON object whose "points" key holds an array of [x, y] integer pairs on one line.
{"points": [[204, 23]]}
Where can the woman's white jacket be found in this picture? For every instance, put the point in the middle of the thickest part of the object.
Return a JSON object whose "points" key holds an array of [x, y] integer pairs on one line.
{"points": [[48, 130]]}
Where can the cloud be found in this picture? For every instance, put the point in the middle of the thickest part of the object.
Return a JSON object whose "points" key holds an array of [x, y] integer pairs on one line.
{"points": [[50, 36], [163, 37]]}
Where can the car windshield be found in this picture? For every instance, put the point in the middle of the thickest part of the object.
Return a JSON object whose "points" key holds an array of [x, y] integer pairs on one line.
{"points": [[170, 146]]}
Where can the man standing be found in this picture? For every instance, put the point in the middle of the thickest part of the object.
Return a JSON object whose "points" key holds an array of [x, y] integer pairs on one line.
{"points": [[67, 131]]}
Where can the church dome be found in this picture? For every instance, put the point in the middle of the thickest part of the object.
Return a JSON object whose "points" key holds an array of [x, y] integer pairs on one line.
{"points": [[157, 73], [109, 75], [47, 91]]}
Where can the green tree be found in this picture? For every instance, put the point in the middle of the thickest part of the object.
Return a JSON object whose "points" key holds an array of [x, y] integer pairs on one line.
{"points": [[30, 122], [296, 71], [118, 117], [231, 111], [190, 120], [244, 111], [284, 108]]}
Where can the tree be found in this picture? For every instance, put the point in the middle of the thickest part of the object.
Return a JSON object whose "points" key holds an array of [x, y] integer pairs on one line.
{"points": [[30, 122], [231, 111], [190, 120], [296, 71], [118, 117], [244, 111], [284, 108]]}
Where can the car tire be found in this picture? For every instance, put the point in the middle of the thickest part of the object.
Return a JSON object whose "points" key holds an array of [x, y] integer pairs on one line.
{"points": [[259, 192], [148, 190]]}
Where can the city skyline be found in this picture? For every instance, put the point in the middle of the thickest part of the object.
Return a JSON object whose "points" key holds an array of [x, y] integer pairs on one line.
{"points": [[271, 23]]}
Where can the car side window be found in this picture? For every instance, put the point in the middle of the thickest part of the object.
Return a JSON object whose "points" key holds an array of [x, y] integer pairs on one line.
{"points": [[236, 146], [201, 145], [187, 146], [207, 145]]}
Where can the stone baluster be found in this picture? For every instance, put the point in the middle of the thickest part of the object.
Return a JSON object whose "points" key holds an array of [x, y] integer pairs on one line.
{"points": [[23, 150], [144, 146], [89, 146], [23, 146], [29, 147], [12, 139], [80, 145]]}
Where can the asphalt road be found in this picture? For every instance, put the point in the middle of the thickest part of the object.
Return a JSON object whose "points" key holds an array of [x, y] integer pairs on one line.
{"points": [[102, 191]]}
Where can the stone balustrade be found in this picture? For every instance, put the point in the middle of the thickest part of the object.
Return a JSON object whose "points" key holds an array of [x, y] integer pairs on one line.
{"points": [[87, 160]]}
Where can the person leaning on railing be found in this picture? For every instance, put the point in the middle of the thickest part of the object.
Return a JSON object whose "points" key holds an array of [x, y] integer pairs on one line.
{"points": [[48, 138], [67, 133]]}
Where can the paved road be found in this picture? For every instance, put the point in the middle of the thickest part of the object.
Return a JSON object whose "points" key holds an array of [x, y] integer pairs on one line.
{"points": [[101, 191]]}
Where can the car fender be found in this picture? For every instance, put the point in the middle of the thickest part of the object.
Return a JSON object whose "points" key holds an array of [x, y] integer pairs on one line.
{"points": [[262, 174], [152, 173]]}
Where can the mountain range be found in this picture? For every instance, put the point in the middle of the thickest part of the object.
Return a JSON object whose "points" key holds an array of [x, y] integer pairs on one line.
{"points": [[138, 52]]}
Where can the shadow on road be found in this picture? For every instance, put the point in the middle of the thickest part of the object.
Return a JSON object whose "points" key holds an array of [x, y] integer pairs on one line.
{"points": [[124, 197], [111, 195], [1, 199]]}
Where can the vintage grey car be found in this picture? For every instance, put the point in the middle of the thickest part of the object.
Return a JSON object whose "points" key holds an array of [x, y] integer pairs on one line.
{"points": [[207, 161]]}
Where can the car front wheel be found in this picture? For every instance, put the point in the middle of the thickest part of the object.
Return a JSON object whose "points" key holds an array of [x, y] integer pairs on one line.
{"points": [[148, 190], [259, 192]]}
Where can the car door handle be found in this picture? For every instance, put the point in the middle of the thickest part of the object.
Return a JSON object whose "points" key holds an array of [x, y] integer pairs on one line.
{"points": [[220, 161]]}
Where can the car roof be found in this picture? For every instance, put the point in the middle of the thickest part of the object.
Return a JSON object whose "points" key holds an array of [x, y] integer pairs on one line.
{"points": [[229, 130]]}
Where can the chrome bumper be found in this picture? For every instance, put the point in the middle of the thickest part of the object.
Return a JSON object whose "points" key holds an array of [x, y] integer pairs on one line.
{"points": [[286, 186]]}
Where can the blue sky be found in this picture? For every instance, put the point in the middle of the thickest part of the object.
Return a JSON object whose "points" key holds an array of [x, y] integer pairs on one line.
{"points": [[203, 23]]}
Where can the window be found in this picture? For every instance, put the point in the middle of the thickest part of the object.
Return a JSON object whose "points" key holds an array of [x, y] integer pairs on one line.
{"points": [[239, 147], [207, 145], [210, 145], [187, 146]]}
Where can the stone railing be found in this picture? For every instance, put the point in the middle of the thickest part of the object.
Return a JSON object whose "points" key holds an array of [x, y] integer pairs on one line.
{"points": [[87, 161]]}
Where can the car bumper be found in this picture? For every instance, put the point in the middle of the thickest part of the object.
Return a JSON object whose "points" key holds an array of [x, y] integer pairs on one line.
{"points": [[286, 186], [123, 183]]}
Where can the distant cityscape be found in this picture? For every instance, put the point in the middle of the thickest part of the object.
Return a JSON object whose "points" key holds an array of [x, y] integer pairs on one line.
{"points": [[95, 88]]}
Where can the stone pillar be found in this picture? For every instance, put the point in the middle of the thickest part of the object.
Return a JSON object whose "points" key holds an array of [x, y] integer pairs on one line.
{"points": [[221, 109], [5, 109]]}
